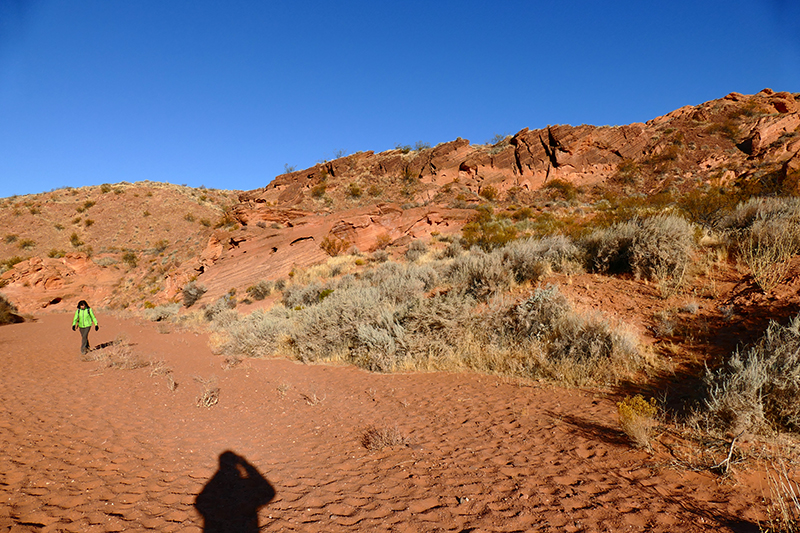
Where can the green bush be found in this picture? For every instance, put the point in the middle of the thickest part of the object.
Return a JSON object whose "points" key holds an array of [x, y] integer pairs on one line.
{"points": [[487, 231]]}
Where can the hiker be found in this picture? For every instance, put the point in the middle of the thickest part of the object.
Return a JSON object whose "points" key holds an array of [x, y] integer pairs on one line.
{"points": [[84, 318]]}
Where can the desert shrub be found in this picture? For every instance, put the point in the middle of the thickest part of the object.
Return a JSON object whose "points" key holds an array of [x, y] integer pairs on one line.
{"points": [[535, 316], [489, 193], [487, 231], [378, 438], [161, 245], [298, 295], [758, 389], [523, 213], [562, 189], [318, 191], [8, 312], [7, 264], [406, 283], [662, 248], [223, 303], [529, 259], [260, 290], [765, 234], [479, 274], [564, 345], [258, 334], [130, 259], [380, 256], [354, 191], [452, 250], [329, 330], [162, 312], [416, 249], [26, 244], [75, 240], [333, 245], [11, 238], [658, 247], [637, 417], [193, 292], [708, 206], [56, 253]]}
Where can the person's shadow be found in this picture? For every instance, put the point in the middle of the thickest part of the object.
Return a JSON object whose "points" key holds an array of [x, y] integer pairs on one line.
{"points": [[230, 500]]}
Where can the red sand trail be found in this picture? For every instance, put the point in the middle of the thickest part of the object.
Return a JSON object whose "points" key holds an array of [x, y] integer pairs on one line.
{"points": [[88, 448]]}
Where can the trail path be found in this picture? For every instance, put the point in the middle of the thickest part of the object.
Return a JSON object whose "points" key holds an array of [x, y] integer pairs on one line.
{"points": [[88, 448]]}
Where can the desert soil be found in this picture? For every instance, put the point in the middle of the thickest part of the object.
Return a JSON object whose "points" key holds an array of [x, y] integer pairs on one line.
{"points": [[89, 448]]}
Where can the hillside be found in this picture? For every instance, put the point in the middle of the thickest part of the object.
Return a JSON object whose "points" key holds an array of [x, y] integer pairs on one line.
{"points": [[76, 240], [605, 287]]}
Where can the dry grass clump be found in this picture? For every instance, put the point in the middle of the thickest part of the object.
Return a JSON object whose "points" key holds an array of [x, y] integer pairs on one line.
{"points": [[637, 417], [759, 389], [209, 397], [378, 438], [162, 312], [160, 368], [783, 508], [118, 354]]}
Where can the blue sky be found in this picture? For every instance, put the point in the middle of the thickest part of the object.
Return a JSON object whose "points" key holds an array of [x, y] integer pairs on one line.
{"points": [[225, 94]]}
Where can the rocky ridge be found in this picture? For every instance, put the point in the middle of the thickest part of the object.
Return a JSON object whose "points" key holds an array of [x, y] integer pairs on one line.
{"points": [[373, 200]]}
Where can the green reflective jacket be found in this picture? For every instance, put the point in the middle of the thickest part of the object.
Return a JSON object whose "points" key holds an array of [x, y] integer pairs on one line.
{"points": [[84, 318]]}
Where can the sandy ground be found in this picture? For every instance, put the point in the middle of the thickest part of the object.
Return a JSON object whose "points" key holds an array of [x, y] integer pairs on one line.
{"points": [[89, 448]]}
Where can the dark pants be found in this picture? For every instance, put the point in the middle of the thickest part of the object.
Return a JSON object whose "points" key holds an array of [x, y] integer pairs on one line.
{"points": [[85, 340]]}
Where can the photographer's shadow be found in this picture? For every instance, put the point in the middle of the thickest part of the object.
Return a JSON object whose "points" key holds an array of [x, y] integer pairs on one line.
{"points": [[230, 500]]}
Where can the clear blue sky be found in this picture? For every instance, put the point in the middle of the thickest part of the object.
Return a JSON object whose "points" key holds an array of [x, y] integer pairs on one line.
{"points": [[226, 93]]}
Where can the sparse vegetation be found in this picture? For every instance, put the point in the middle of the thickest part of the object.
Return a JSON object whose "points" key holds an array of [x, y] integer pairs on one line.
{"points": [[193, 292], [130, 259], [377, 438], [333, 245], [637, 417]]}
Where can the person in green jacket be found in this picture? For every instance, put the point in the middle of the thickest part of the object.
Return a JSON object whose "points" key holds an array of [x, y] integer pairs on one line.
{"points": [[84, 318]]}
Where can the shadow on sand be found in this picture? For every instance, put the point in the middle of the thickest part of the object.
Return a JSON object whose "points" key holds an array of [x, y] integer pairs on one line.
{"points": [[230, 500]]}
